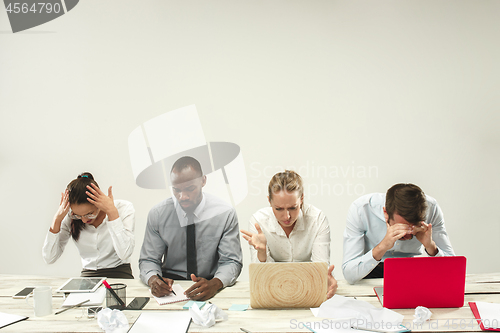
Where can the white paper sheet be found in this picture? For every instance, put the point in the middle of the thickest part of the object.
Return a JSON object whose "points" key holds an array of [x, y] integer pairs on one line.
{"points": [[7, 319], [172, 321], [489, 313], [358, 313]]}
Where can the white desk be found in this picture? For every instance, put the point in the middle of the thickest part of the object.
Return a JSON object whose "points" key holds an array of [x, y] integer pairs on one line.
{"points": [[480, 287]]}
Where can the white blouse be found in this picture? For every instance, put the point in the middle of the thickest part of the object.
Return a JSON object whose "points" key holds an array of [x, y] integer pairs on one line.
{"points": [[308, 241], [107, 246]]}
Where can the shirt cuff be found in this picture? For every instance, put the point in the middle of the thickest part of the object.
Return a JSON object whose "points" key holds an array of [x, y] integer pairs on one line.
{"points": [[226, 281], [52, 237], [149, 275], [368, 258], [438, 254], [360, 267]]}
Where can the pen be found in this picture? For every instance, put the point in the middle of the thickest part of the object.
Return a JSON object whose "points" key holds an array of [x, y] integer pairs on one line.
{"points": [[399, 329], [113, 293], [158, 275], [244, 330], [74, 306]]}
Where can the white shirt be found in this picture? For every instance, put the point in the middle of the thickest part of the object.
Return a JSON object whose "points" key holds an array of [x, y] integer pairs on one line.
{"points": [[366, 228], [107, 246], [308, 241]]}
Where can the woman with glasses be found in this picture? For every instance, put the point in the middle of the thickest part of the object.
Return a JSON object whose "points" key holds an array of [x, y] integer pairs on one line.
{"points": [[101, 227]]}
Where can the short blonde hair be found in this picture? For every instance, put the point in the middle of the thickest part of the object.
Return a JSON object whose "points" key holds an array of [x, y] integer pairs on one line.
{"points": [[288, 181]]}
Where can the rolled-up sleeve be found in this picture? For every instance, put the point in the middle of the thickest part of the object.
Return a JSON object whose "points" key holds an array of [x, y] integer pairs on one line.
{"points": [[356, 263], [152, 250], [230, 256]]}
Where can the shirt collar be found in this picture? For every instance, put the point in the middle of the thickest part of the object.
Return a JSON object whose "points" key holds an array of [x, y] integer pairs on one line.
{"points": [[197, 212], [201, 206], [299, 224]]}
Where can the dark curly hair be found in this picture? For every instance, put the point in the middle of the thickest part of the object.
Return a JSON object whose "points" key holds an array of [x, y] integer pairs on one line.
{"points": [[77, 188]]}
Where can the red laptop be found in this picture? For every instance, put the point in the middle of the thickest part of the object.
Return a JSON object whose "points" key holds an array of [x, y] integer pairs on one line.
{"points": [[433, 282]]}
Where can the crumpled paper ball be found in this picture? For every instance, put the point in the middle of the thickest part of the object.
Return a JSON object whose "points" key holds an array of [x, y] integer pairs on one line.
{"points": [[208, 316], [422, 314], [112, 321]]}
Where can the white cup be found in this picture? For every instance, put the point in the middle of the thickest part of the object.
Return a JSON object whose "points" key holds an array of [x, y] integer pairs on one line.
{"points": [[42, 299]]}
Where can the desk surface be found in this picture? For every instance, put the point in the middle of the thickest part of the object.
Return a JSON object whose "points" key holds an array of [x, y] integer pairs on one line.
{"points": [[479, 287]]}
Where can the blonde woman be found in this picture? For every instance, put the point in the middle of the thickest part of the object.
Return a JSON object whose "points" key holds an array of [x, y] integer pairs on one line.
{"points": [[290, 230]]}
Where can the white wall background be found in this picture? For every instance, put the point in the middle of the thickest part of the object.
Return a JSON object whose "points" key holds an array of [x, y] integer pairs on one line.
{"points": [[405, 89]]}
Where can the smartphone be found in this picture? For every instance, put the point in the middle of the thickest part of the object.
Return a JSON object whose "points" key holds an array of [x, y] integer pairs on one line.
{"points": [[24, 293], [137, 303]]}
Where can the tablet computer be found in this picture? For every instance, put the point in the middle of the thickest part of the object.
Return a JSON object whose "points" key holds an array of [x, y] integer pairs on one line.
{"points": [[81, 285]]}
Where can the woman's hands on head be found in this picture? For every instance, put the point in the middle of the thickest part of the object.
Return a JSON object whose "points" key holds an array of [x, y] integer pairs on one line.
{"points": [[62, 211], [102, 201]]}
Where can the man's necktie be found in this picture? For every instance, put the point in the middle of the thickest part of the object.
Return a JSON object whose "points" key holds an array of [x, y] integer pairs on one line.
{"points": [[191, 247]]}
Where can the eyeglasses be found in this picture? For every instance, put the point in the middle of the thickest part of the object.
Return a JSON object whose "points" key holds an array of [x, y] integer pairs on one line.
{"points": [[89, 313], [78, 217]]}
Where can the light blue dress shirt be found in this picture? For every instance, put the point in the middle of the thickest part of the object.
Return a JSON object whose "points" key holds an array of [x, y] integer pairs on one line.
{"points": [[218, 246], [366, 228]]}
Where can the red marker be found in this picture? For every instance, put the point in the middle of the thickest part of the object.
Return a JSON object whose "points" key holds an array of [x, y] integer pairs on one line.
{"points": [[113, 293]]}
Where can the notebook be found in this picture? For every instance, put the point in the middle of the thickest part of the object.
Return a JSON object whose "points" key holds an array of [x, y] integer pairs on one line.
{"points": [[288, 285], [179, 297], [487, 315], [433, 282]]}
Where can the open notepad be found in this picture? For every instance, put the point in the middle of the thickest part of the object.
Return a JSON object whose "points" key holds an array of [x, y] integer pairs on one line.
{"points": [[180, 297]]}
